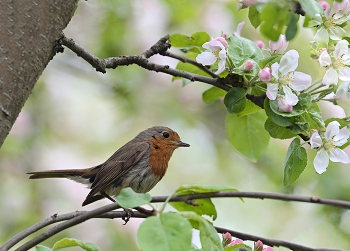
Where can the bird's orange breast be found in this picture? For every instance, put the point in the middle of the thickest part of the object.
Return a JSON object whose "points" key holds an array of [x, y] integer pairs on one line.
{"points": [[159, 157]]}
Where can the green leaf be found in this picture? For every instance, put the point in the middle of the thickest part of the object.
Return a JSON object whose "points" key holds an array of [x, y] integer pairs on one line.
{"points": [[305, 100], [68, 242], [213, 94], [278, 132], [241, 49], [249, 109], [130, 199], [209, 237], [311, 7], [275, 118], [191, 189], [292, 27], [315, 114], [238, 247], [42, 248], [268, 61], [203, 206], [168, 232], [294, 163], [235, 100], [247, 134], [300, 127], [254, 16], [197, 39], [274, 17]]}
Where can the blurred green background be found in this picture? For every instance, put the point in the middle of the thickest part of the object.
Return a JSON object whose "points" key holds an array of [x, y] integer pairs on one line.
{"points": [[77, 117]]}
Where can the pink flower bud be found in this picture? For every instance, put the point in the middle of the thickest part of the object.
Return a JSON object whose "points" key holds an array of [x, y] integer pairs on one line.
{"points": [[236, 241], [265, 74], [226, 239], [324, 4], [248, 65], [284, 105], [249, 2], [222, 40], [258, 246], [279, 46], [259, 43]]}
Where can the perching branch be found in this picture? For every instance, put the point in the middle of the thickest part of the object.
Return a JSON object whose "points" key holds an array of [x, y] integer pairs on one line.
{"points": [[142, 60], [72, 219]]}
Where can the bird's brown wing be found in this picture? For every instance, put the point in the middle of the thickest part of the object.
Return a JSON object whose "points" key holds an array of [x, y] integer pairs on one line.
{"points": [[117, 166]]}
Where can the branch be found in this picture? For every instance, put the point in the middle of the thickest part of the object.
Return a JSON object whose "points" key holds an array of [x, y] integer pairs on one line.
{"points": [[106, 212], [141, 60], [270, 242]]}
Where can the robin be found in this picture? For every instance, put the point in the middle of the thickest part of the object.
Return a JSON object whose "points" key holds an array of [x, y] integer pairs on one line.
{"points": [[140, 164]]}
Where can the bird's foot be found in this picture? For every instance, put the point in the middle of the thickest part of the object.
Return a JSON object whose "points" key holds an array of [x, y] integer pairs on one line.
{"points": [[129, 213]]}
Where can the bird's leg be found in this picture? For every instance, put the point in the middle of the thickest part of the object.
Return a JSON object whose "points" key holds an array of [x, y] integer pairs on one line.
{"points": [[128, 212], [107, 196]]}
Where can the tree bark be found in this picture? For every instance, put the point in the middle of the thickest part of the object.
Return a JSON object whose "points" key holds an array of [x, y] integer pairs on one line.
{"points": [[29, 30]]}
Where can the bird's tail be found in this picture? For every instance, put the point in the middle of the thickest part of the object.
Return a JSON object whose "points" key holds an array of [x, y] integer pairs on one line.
{"points": [[58, 173]]}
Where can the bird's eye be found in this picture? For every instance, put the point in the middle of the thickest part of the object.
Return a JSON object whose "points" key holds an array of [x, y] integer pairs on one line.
{"points": [[166, 135]]}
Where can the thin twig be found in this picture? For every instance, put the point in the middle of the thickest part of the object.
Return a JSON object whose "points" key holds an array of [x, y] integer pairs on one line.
{"points": [[270, 242], [190, 61], [141, 60]]}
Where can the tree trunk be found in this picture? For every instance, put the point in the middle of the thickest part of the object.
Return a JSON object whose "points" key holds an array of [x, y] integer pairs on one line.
{"points": [[29, 30]]}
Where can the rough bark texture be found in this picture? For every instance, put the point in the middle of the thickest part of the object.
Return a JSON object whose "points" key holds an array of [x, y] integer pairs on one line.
{"points": [[28, 31]]}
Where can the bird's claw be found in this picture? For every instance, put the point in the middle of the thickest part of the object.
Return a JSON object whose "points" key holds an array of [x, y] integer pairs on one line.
{"points": [[129, 213]]}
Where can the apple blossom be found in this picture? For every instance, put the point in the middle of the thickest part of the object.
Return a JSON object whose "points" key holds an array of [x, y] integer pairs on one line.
{"points": [[329, 24], [265, 74], [279, 46], [285, 104], [327, 145], [338, 63], [216, 51], [287, 79], [226, 239]]}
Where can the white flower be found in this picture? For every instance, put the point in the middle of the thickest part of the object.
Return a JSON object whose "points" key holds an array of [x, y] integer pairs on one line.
{"points": [[338, 63], [329, 25], [327, 146], [217, 51], [287, 79]]}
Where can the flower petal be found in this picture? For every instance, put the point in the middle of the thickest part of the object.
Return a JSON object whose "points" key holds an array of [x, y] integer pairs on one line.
{"points": [[289, 62], [322, 35], [321, 161], [206, 58], [324, 59], [338, 155], [301, 81], [332, 130], [271, 91], [342, 90], [330, 78], [344, 73], [291, 98], [274, 70], [336, 32], [315, 140], [342, 137], [341, 48]]}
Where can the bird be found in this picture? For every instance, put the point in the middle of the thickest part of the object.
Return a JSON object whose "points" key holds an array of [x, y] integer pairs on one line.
{"points": [[140, 164]]}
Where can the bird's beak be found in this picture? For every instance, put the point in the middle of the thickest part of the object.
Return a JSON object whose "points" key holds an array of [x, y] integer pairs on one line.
{"points": [[181, 144]]}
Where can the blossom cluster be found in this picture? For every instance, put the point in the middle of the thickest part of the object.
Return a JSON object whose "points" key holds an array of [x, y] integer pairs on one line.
{"points": [[282, 82]]}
